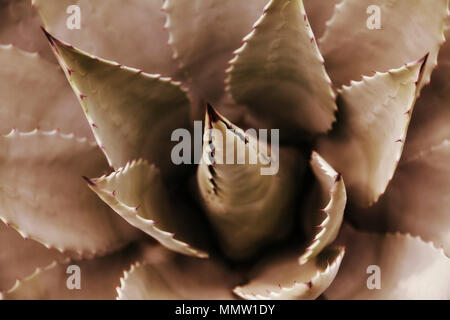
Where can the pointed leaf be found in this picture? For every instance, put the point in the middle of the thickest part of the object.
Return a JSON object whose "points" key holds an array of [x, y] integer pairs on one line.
{"points": [[42, 193], [136, 192], [203, 35], [132, 114], [19, 25], [429, 123], [278, 72], [283, 278], [409, 268], [367, 143], [48, 103], [168, 276], [409, 30], [246, 189], [131, 33], [326, 211], [417, 199], [98, 279], [19, 257]]}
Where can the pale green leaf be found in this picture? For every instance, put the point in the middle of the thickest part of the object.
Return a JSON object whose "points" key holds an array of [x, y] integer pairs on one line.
{"points": [[367, 142], [132, 114], [278, 72], [283, 278], [326, 209], [246, 189], [137, 193]]}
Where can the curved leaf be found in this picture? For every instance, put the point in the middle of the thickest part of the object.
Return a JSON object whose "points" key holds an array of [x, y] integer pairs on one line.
{"points": [[319, 12], [48, 103], [409, 30], [429, 123], [326, 211], [131, 33], [19, 25], [132, 114], [42, 193], [283, 278], [136, 192], [98, 279], [19, 257], [278, 72], [167, 276], [367, 143], [203, 35], [417, 200], [245, 186], [409, 268]]}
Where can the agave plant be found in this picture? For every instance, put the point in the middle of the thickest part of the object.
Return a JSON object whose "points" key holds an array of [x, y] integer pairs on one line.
{"points": [[143, 226]]}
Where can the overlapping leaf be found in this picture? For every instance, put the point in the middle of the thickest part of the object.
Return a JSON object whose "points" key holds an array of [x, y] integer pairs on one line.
{"points": [[164, 275], [34, 94], [408, 31], [203, 35], [19, 25], [43, 195], [132, 34], [283, 278], [136, 192], [98, 279], [407, 267], [19, 257]]}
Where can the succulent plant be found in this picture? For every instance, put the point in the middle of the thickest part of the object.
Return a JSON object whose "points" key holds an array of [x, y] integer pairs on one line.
{"points": [[97, 187]]}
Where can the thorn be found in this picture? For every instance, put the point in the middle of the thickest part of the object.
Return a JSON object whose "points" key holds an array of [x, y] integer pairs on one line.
{"points": [[89, 181], [399, 140], [137, 208], [309, 284], [211, 113], [49, 38], [82, 96], [94, 125], [113, 193]]}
